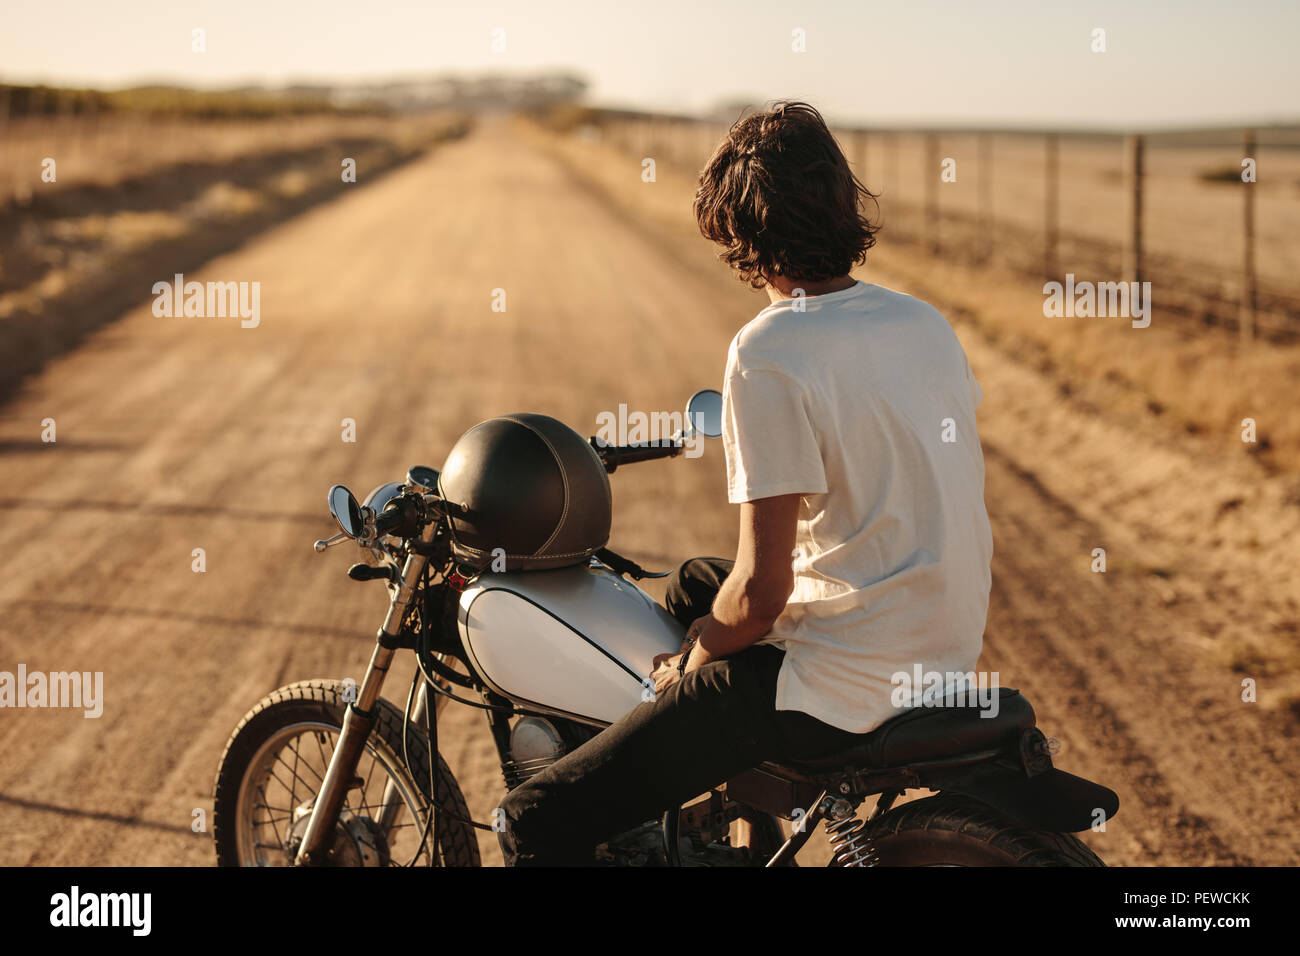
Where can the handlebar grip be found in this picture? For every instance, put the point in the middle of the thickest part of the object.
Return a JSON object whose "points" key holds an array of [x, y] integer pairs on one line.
{"points": [[615, 455], [401, 517], [386, 522]]}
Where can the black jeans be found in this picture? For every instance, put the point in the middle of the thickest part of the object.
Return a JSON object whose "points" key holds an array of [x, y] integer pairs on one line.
{"points": [[716, 723]]}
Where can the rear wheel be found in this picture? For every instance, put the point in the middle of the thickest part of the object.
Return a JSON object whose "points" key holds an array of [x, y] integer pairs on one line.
{"points": [[275, 762], [951, 830]]}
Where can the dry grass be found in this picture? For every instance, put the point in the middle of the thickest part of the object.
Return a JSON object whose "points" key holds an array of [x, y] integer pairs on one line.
{"points": [[108, 150]]}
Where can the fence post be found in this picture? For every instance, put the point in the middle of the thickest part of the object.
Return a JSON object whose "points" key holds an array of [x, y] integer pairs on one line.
{"points": [[1133, 248], [932, 191], [1246, 319], [985, 217], [1053, 212], [895, 192], [6, 107]]}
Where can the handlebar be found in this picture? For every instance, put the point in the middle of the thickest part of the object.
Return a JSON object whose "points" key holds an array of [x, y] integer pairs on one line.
{"points": [[614, 455], [405, 515]]}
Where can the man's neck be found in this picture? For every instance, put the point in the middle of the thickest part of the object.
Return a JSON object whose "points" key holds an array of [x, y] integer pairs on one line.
{"points": [[779, 287]]}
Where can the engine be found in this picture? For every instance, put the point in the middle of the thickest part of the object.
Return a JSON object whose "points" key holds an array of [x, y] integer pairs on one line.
{"points": [[535, 744]]}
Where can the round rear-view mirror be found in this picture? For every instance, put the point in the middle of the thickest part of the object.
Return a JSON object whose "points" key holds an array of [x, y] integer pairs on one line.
{"points": [[704, 412], [346, 511]]}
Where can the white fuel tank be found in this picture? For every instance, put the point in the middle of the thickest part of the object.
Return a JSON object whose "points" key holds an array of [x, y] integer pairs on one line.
{"points": [[576, 640]]}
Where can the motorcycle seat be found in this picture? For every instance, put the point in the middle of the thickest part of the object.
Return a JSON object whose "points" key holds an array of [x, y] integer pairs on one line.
{"points": [[922, 734]]}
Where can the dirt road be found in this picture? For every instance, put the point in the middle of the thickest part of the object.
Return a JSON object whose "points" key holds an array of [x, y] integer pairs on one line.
{"points": [[175, 434]]}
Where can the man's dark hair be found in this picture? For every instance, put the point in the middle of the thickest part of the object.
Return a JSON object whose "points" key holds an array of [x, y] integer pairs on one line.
{"points": [[779, 196]]}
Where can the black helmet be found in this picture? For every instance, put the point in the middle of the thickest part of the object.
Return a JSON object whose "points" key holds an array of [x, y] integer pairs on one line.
{"points": [[529, 485]]}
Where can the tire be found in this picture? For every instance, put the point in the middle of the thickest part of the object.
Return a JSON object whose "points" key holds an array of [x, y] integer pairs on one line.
{"points": [[951, 830], [322, 703]]}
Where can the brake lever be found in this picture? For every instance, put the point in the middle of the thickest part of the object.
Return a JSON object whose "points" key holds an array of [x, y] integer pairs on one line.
{"points": [[329, 542]]}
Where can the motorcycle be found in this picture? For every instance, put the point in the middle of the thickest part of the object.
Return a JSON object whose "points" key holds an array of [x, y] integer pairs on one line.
{"points": [[329, 773]]}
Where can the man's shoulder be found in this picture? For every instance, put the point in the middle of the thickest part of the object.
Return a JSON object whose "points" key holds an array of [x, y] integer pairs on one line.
{"points": [[778, 336], [890, 302], [766, 342]]}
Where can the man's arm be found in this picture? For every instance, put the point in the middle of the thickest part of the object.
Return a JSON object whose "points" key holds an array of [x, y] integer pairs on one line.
{"points": [[758, 587]]}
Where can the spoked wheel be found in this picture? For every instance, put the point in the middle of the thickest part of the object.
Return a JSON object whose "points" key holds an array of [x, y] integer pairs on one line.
{"points": [[273, 767], [951, 830]]}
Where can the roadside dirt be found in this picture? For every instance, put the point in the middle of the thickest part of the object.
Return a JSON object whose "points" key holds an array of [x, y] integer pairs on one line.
{"points": [[76, 257], [176, 434]]}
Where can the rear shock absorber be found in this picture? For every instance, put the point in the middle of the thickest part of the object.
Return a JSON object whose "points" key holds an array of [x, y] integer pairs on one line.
{"points": [[848, 836]]}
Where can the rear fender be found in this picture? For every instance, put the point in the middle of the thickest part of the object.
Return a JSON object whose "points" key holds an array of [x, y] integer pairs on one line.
{"points": [[1049, 800]]}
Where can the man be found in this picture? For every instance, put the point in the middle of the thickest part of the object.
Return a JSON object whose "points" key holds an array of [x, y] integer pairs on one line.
{"points": [[851, 446]]}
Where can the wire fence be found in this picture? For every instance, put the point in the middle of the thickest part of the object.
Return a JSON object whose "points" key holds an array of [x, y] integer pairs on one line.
{"points": [[1183, 211]]}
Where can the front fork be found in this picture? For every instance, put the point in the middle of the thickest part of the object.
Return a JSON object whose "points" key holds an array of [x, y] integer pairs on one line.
{"points": [[359, 717]]}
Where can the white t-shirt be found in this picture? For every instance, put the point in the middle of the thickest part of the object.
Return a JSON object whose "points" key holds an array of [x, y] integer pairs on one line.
{"points": [[864, 403]]}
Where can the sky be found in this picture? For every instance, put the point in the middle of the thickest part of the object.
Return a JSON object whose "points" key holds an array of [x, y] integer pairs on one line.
{"points": [[1012, 62]]}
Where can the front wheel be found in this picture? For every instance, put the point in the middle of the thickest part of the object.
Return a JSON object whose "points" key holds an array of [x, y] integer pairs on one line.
{"points": [[275, 762], [951, 830]]}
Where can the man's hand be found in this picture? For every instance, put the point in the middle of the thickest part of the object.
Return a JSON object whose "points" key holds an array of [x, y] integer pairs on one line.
{"points": [[665, 672]]}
